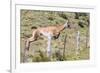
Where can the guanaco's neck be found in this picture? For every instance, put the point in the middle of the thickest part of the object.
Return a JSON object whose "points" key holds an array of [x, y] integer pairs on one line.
{"points": [[60, 28]]}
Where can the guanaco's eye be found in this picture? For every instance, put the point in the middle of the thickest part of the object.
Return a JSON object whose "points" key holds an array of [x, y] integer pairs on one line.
{"points": [[68, 26]]}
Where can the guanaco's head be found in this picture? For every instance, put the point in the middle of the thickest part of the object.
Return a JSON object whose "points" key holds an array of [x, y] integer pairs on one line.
{"points": [[67, 25]]}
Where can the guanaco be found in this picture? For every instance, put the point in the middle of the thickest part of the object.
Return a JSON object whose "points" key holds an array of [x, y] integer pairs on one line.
{"points": [[49, 32]]}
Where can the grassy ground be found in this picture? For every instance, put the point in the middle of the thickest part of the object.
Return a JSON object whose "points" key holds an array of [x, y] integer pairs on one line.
{"points": [[37, 52]]}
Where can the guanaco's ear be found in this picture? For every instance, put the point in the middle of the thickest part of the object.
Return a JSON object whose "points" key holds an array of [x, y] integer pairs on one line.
{"points": [[66, 24]]}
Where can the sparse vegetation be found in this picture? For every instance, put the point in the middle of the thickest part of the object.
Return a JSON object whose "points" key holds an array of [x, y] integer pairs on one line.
{"points": [[37, 52]]}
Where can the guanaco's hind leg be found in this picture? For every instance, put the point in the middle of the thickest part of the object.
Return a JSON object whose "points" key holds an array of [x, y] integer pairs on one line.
{"points": [[31, 39], [27, 45]]}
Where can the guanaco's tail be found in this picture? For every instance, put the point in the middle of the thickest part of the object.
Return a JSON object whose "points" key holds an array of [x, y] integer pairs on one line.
{"points": [[33, 27]]}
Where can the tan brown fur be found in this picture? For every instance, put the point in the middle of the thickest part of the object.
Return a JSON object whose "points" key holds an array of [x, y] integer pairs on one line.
{"points": [[54, 31]]}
